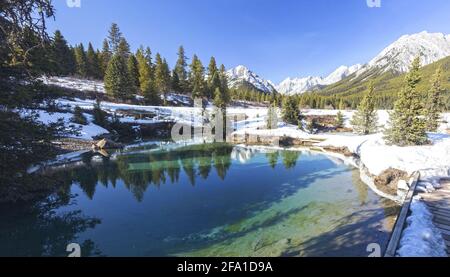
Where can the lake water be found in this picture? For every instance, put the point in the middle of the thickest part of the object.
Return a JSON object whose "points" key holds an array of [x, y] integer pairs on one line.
{"points": [[202, 200]]}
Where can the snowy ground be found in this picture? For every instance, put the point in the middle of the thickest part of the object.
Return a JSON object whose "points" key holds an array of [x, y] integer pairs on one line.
{"points": [[87, 132], [75, 84]]}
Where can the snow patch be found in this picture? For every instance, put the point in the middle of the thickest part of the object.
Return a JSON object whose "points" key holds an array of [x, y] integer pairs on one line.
{"points": [[421, 238]]}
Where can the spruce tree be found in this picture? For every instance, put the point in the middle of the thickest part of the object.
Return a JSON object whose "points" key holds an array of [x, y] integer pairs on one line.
{"points": [[105, 57], [162, 76], [224, 81], [100, 116], [132, 65], [81, 61], [78, 116], [365, 120], [93, 64], [340, 120], [61, 55], [175, 82], [180, 69], [291, 112], [124, 48], [197, 78], [407, 124], [146, 81], [213, 81], [114, 37], [434, 104], [118, 83]]}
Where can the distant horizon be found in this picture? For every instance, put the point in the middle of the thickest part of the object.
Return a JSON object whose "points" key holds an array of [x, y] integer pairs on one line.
{"points": [[301, 39]]}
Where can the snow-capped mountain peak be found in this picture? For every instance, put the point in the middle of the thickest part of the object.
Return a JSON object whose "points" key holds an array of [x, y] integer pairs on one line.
{"points": [[241, 74], [398, 56], [299, 85]]}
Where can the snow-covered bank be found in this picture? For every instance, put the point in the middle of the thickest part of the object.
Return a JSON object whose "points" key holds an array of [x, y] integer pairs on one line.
{"points": [[421, 238], [86, 132]]}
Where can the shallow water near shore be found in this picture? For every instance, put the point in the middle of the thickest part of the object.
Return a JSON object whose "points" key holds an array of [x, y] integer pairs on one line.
{"points": [[203, 200]]}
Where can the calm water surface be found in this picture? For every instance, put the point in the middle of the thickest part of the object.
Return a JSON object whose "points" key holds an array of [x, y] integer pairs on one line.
{"points": [[204, 200]]}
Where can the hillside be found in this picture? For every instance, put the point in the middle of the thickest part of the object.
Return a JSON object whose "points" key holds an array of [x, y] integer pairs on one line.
{"points": [[389, 83]]}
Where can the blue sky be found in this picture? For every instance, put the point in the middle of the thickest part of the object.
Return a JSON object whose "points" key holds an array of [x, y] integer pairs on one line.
{"points": [[274, 38]]}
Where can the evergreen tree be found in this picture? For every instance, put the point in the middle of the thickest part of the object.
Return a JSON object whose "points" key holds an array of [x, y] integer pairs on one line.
{"points": [[100, 116], [181, 72], [62, 56], [224, 82], [213, 81], [365, 120], [133, 70], [124, 48], [146, 76], [340, 119], [93, 64], [197, 78], [114, 37], [291, 111], [81, 60], [78, 116], [433, 105], [105, 57], [407, 125], [162, 76], [118, 83], [175, 82]]}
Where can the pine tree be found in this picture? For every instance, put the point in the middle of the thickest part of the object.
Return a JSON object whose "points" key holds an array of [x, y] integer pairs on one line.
{"points": [[175, 82], [124, 48], [434, 104], [78, 116], [62, 57], [407, 124], [132, 65], [162, 76], [100, 116], [365, 120], [146, 77], [213, 81], [105, 57], [118, 83], [224, 82], [340, 119], [93, 64], [81, 61], [197, 78], [291, 111], [180, 69], [114, 37]]}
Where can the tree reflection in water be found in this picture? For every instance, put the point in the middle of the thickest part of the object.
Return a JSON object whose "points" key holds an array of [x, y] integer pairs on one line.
{"points": [[35, 230], [139, 171]]}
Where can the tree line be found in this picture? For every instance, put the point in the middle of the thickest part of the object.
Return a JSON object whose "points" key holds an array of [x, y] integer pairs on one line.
{"points": [[127, 74]]}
